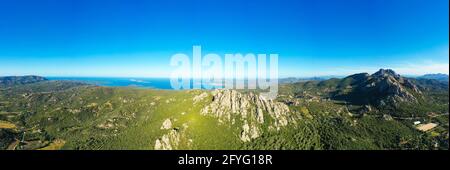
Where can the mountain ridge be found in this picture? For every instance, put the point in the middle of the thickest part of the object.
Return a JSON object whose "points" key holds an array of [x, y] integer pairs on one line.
{"points": [[20, 80], [332, 114], [437, 76]]}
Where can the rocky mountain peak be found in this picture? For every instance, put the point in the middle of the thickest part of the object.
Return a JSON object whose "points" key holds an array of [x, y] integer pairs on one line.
{"points": [[384, 87], [392, 87], [386, 73]]}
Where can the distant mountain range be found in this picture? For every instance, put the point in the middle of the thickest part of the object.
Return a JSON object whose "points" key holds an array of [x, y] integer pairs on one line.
{"points": [[16, 80], [439, 76], [384, 86], [383, 110], [296, 79]]}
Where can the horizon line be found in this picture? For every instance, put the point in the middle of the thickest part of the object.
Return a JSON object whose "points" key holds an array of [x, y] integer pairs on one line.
{"points": [[168, 77]]}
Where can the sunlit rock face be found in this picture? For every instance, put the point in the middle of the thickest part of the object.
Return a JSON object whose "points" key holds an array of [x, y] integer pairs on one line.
{"points": [[249, 109]]}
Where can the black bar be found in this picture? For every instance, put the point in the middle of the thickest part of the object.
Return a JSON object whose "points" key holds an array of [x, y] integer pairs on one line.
{"points": [[170, 159]]}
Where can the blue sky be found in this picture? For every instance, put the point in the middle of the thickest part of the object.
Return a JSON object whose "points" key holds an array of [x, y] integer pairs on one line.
{"points": [[137, 38]]}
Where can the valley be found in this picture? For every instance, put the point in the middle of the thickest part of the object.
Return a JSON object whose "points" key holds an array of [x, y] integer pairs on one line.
{"points": [[359, 112]]}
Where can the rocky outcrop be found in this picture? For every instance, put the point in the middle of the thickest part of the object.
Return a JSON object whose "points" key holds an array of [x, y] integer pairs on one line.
{"points": [[384, 87], [249, 132], [167, 124], [250, 109], [199, 97], [174, 138], [394, 87], [168, 141]]}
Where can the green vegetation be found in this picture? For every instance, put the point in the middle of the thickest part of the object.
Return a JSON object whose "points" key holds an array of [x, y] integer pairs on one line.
{"points": [[71, 115]]}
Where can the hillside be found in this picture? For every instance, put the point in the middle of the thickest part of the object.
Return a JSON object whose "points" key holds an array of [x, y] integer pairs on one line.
{"points": [[18, 80], [440, 77], [345, 113]]}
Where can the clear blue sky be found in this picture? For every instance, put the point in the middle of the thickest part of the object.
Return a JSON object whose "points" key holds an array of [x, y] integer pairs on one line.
{"points": [[137, 38]]}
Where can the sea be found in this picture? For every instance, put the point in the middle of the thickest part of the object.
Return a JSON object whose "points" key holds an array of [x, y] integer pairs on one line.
{"points": [[154, 83]]}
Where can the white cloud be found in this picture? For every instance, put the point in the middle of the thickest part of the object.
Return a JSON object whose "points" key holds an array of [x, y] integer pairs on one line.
{"points": [[420, 69]]}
